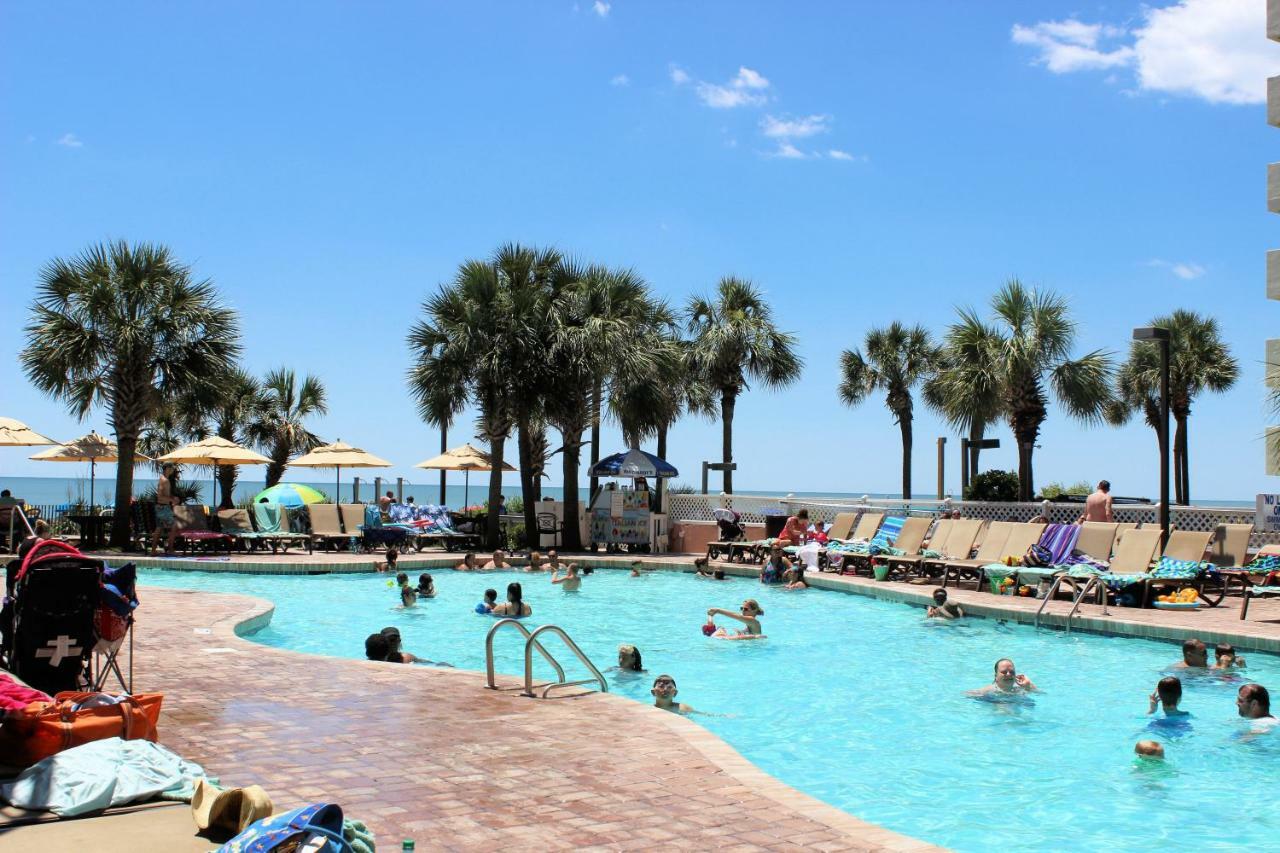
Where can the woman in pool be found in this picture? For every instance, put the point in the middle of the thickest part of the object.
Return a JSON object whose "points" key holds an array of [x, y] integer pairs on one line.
{"points": [[570, 581], [749, 617], [794, 577], [776, 566], [514, 605], [498, 563], [1007, 682], [629, 658], [426, 586]]}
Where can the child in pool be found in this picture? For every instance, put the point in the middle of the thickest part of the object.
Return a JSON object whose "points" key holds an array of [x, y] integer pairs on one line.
{"points": [[485, 607], [408, 596], [570, 581], [389, 565], [1167, 695], [943, 609], [749, 617], [1224, 657], [426, 586], [1149, 749]]}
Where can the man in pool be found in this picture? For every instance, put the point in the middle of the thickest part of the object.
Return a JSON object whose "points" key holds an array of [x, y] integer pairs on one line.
{"points": [[664, 695], [498, 563], [394, 653], [1007, 681], [943, 609], [1254, 703], [376, 647], [468, 563], [1195, 655], [553, 561]]}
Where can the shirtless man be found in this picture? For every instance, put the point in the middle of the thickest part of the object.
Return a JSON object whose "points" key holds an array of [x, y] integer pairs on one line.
{"points": [[1007, 680], [1195, 655], [468, 563], [664, 694], [498, 563], [1097, 507], [1254, 703]]}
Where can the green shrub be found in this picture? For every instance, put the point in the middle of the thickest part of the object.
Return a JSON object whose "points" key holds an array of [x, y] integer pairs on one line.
{"points": [[997, 486], [681, 489], [1053, 491]]}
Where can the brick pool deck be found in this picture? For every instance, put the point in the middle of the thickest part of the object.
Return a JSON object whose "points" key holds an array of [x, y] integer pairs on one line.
{"points": [[430, 754]]}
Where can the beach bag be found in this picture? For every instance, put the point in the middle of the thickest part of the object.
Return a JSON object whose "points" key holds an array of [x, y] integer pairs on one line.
{"points": [[1037, 557], [46, 728], [287, 830]]}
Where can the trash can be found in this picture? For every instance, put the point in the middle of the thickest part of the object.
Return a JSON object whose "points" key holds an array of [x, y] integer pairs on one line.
{"points": [[773, 524]]}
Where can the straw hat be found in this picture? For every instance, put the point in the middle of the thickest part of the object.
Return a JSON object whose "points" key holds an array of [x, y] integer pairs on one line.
{"points": [[229, 811]]}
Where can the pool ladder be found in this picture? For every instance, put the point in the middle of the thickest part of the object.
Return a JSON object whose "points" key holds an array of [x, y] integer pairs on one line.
{"points": [[531, 643], [1077, 599]]}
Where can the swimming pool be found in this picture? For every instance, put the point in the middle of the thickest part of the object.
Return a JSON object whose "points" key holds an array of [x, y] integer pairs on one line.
{"points": [[861, 702]]}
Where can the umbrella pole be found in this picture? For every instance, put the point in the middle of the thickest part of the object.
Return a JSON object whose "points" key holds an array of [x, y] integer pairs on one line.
{"points": [[466, 495], [93, 498], [337, 484]]}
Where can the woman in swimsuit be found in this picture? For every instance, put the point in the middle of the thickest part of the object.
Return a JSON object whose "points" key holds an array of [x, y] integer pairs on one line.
{"points": [[514, 605], [776, 566], [749, 617]]}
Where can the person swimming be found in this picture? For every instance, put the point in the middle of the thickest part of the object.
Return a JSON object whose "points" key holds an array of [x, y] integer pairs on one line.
{"points": [[1148, 749], [943, 609], [570, 581], [485, 607], [629, 658], [468, 563], [775, 566], [748, 615], [498, 563], [514, 606], [394, 653], [1167, 695], [1225, 657], [1007, 683], [794, 577], [664, 693], [408, 595], [1195, 655], [426, 586]]}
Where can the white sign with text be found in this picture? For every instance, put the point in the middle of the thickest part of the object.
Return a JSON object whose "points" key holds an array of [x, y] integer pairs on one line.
{"points": [[1268, 518]]}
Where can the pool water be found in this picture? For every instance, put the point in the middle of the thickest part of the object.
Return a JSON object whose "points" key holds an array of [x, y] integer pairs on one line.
{"points": [[862, 703]]}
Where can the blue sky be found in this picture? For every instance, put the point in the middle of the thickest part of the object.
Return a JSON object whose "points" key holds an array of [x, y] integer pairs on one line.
{"points": [[328, 164]]}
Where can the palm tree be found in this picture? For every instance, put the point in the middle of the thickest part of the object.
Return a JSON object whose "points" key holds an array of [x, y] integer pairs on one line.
{"points": [[897, 358], [734, 339], [125, 327], [279, 422], [966, 389], [601, 321], [1199, 360], [1036, 335], [234, 407]]}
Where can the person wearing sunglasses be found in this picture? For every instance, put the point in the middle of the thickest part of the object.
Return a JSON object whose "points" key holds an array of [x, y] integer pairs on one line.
{"points": [[748, 615]]}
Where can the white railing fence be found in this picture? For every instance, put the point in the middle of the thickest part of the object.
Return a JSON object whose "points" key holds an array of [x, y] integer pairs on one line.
{"points": [[753, 509]]}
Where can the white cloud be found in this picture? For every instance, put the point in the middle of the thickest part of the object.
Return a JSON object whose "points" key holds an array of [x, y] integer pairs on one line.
{"points": [[620, 80], [787, 151], [601, 8], [794, 128], [745, 89], [69, 140], [678, 75], [1216, 50], [837, 154], [1185, 270]]}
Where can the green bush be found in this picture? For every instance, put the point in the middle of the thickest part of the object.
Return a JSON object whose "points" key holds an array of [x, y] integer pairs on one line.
{"points": [[515, 504], [997, 486], [681, 489], [1053, 491]]}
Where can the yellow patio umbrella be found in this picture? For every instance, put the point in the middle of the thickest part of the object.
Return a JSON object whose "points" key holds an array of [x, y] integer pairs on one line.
{"points": [[339, 455], [17, 434], [214, 451], [91, 448], [465, 458]]}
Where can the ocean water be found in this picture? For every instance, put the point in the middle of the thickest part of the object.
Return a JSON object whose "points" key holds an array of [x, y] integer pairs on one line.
{"points": [[862, 703]]}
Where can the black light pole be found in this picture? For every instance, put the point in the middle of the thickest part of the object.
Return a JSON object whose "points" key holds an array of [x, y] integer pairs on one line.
{"points": [[1161, 336]]}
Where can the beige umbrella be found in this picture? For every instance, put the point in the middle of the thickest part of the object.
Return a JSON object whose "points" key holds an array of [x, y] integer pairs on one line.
{"points": [[91, 448], [17, 434], [465, 458], [339, 455], [214, 451]]}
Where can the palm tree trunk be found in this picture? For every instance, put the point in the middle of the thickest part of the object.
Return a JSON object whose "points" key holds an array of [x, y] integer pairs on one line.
{"points": [[904, 426], [227, 486], [977, 431], [662, 454], [1182, 468], [527, 493], [728, 400], [279, 460], [497, 443], [444, 446], [596, 394], [571, 451], [126, 443], [1026, 476]]}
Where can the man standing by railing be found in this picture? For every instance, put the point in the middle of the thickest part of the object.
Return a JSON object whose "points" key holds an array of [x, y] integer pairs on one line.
{"points": [[1097, 507]]}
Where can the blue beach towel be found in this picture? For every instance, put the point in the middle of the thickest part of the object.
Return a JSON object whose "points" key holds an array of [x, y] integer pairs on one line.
{"points": [[273, 833], [888, 532]]}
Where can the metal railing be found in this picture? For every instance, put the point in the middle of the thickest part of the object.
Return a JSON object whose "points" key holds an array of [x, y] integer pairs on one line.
{"points": [[530, 643], [1078, 597]]}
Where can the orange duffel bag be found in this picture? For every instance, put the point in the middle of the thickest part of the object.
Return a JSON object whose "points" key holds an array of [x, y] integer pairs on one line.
{"points": [[46, 728]]}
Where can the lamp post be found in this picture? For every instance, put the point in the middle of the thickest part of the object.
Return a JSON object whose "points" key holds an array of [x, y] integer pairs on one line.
{"points": [[1161, 336]]}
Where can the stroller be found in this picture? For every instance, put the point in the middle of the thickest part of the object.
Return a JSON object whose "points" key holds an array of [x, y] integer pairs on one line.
{"points": [[730, 524], [48, 617]]}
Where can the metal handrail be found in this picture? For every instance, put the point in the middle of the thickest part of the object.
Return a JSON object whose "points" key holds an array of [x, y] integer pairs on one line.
{"points": [[1077, 599], [529, 645], [573, 647]]}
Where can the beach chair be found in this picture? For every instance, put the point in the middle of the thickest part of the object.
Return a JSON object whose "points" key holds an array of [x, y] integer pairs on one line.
{"points": [[990, 550], [865, 530], [936, 540], [326, 526], [886, 542], [237, 524], [1261, 577], [1130, 564], [1183, 565], [1021, 537], [364, 522], [194, 533], [842, 526], [1230, 545], [907, 545], [958, 546], [281, 534]]}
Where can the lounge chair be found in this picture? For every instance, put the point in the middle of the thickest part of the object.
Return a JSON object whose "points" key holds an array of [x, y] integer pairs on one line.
{"points": [[433, 524], [1130, 564], [237, 524], [868, 526], [729, 524], [1182, 565], [364, 522], [908, 545], [1261, 577], [275, 530], [326, 527], [950, 538], [990, 550], [193, 530], [885, 532], [1022, 537], [1230, 545]]}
